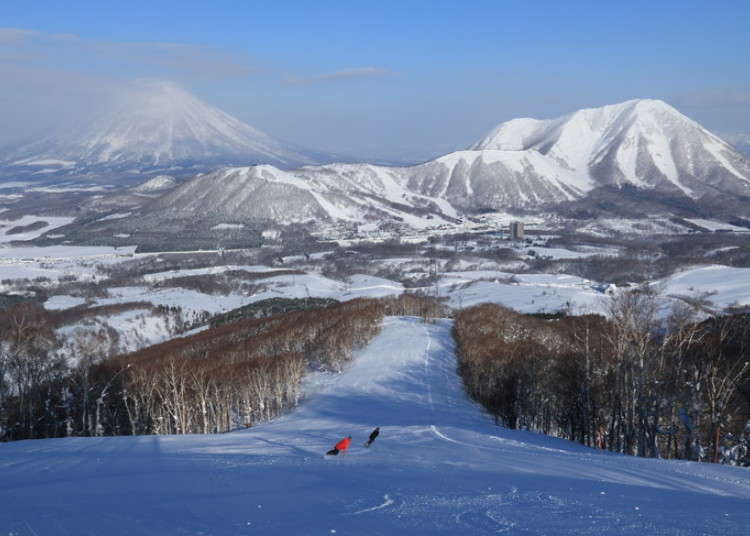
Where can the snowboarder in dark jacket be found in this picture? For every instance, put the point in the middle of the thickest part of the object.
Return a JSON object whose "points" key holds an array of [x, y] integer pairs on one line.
{"points": [[373, 435]]}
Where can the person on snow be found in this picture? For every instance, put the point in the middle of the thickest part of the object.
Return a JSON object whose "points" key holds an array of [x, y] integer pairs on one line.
{"points": [[373, 435], [341, 446]]}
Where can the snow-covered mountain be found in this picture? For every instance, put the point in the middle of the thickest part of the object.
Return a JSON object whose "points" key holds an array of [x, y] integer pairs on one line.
{"points": [[524, 164], [151, 126], [645, 143]]}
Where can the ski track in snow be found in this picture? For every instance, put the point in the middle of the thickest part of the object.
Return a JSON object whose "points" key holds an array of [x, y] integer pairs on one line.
{"points": [[439, 466], [387, 502]]}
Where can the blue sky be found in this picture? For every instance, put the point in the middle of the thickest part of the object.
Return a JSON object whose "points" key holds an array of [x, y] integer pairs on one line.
{"points": [[402, 79]]}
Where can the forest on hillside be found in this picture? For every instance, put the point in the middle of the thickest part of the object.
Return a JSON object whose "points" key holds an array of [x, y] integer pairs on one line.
{"points": [[228, 376], [629, 383]]}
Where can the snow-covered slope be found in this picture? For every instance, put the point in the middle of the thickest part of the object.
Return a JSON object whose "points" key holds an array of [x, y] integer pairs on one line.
{"points": [[439, 467], [646, 143], [495, 179], [337, 192], [720, 286], [155, 125], [159, 183]]}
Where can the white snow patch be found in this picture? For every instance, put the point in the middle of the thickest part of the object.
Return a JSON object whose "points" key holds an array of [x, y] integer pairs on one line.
{"points": [[116, 216], [52, 222], [713, 225], [227, 226]]}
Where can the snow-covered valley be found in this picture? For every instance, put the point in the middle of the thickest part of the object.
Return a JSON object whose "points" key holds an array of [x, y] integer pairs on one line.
{"points": [[440, 466]]}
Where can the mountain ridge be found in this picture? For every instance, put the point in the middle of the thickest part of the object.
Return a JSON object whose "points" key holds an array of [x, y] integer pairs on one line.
{"points": [[523, 164]]}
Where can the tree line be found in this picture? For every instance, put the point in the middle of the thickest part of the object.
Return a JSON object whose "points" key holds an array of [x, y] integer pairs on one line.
{"points": [[226, 377], [632, 382], [216, 380]]}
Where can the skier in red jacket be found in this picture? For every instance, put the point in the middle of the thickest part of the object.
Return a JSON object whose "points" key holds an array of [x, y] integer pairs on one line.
{"points": [[341, 446]]}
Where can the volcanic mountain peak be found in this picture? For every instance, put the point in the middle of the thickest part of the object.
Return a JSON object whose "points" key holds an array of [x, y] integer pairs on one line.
{"points": [[156, 125]]}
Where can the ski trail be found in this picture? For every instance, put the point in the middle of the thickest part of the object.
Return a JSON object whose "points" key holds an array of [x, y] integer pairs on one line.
{"points": [[427, 367], [387, 503], [32, 531], [444, 437], [428, 384]]}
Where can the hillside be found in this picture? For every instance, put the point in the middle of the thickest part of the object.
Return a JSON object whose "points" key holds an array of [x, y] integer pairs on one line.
{"points": [[439, 467]]}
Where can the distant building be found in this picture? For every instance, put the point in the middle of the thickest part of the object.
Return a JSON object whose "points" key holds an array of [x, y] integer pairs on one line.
{"points": [[271, 234], [516, 230]]}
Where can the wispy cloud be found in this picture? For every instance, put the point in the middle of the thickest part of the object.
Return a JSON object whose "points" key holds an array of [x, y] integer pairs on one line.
{"points": [[15, 35], [342, 74], [70, 51]]}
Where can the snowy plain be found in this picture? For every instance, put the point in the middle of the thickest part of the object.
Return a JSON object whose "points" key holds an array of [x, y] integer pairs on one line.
{"points": [[440, 466], [723, 286], [49, 224]]}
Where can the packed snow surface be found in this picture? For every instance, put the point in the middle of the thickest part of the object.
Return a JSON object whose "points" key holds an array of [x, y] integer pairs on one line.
{"points": [[440, 466]]}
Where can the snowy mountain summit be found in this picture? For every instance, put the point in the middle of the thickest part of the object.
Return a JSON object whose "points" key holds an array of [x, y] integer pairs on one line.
{"points": [[645, 143], [155, 125]]}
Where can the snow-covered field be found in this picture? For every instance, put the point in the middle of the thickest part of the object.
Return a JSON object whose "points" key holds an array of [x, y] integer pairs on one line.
{"points": [[211, 270], [49, 221], [651, 225], [527, 293], [465, 282], [283, 286], [439, 467], [49, 254], [723, 286], [57, 261]]}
